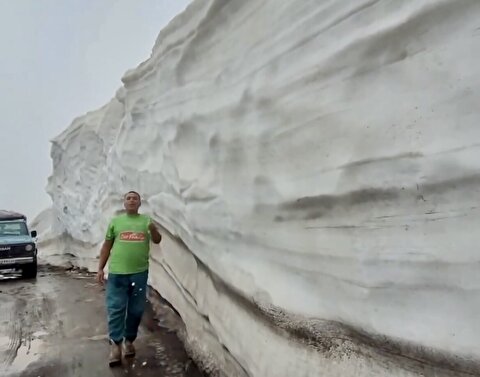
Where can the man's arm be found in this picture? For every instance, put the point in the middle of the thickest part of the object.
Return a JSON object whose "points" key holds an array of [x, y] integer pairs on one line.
{"points": [[156, 236], [104, 255]]}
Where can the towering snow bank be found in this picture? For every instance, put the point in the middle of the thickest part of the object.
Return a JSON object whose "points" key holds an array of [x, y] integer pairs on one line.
{"points": [[315, 168]]}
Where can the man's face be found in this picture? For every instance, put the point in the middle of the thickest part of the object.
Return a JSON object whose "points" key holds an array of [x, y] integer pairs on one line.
{"points": [[131, 202]]}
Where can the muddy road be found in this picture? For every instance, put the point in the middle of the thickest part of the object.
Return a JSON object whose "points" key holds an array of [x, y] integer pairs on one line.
{"points": [[56, 326]]}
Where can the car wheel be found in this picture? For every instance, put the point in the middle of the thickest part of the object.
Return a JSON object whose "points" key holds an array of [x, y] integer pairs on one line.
{"points": [[30, 271]]}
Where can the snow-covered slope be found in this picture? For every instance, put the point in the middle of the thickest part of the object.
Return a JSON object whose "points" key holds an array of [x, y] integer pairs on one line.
{"points": [[315, 166]]}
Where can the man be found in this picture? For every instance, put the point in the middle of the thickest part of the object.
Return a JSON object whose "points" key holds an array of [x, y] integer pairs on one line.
{"points": [[127, 245]]}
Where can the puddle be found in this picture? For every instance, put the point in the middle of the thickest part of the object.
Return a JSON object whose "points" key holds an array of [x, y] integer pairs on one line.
{"points": [[28, 353], [98, 337], [39, 334]]}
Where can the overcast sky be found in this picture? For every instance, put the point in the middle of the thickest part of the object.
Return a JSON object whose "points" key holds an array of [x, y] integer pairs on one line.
{"points": [[58, 60]]}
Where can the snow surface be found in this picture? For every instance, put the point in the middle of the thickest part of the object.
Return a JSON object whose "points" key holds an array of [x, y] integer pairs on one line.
{"points": [[314, 166]]}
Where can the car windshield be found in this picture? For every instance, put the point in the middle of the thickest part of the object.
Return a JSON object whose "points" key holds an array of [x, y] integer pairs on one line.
{"points": [[13, 228]]}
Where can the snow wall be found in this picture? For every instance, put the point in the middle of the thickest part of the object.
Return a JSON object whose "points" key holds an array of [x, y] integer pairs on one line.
{"points": [[315, 169]]}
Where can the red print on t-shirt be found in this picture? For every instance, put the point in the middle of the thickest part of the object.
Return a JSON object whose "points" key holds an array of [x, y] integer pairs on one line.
{"points": [[132, 236]]}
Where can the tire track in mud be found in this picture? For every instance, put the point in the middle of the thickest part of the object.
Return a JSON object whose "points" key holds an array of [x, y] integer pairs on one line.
{"points": [[28, 316], [15, 334]]}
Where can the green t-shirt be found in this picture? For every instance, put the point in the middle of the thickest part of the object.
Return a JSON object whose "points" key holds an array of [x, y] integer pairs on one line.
{"points": [[131, 244]]}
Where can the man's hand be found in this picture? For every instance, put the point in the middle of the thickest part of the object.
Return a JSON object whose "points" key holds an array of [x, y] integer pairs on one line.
{"points": [[101, 277], [104, 255], [156, 236]]}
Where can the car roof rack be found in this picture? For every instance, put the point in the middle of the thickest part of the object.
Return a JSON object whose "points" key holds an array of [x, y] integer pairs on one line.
{"points": [[9, 215]]}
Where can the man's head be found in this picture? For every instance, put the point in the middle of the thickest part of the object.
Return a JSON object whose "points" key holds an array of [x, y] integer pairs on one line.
{"points": [[132, 202]]}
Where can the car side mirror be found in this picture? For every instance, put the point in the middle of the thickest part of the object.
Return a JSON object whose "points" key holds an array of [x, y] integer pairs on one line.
{"points": [[33, 233]]}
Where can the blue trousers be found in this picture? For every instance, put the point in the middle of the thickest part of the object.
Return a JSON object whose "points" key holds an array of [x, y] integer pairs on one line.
{"points": [[126, 297]]}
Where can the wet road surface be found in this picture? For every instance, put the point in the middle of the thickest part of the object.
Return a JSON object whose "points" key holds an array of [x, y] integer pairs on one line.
{"points": [[56, 326]]}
